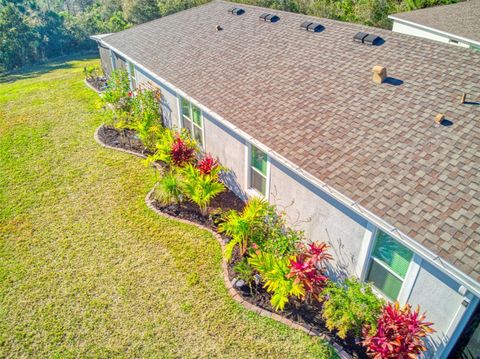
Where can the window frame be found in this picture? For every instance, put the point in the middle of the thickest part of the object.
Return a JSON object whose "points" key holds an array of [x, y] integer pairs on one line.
{"points": [[190, 119], [132, 78], [251, 191], [366, 257]]}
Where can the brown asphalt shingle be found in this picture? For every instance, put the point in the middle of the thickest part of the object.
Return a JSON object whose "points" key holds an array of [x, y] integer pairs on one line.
{"points": [[461, 19], [310, 97]]}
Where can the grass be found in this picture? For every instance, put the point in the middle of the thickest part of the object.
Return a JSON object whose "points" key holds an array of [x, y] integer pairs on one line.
{"points": [[85, 268]]}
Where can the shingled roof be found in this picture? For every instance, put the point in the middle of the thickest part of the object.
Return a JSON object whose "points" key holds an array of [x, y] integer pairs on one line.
{"points": [[310, 97], [461, 19]]}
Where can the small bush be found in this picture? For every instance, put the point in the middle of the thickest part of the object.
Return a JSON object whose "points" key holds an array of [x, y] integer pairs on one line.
{"points": [[200, 188], [349, 307], [244, 271], [242, 227], [208, 165], [274, 270], [309, 268], [169, 189], [183, 151], [399, 334], [118, 93]]}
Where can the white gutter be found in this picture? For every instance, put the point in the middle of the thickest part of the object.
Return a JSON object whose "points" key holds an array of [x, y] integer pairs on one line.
{"points": [[435, 31], [433, 258]]}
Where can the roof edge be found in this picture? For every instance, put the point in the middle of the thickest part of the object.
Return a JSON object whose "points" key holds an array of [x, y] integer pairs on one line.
{"points": [[369, 216], [439, 32]]}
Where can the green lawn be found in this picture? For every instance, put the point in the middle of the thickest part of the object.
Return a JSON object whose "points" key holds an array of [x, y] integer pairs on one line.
{"points": [[86, 269]]}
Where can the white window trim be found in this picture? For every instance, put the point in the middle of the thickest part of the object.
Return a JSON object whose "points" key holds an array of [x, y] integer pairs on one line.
{"points": [[364, 262], [252, 192], [181, 115]]}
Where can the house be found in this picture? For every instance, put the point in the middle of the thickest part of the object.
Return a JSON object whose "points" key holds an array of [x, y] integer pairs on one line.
{"points": [[388, 173], [457, 24]]}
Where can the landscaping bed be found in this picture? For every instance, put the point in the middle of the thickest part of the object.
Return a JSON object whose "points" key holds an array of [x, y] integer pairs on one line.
{"points": [[303, 313]]}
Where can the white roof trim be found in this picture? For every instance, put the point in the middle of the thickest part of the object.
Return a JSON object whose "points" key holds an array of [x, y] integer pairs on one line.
{"points": [[425, 253], [99, 37], [436, 31]]}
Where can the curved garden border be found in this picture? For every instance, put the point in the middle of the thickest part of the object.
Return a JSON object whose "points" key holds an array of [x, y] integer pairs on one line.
{"points": [[233, 293]]}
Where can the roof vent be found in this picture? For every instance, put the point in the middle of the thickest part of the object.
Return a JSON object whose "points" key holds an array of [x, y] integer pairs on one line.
{"points": [[379, 74], [368, 39], [269, 17], [311, 26], [236, 11]]}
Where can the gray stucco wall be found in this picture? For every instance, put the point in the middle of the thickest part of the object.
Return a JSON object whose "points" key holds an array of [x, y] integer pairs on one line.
{"points": [[105, 60], [437, 294], [322, 218], [230, 149], [120, 62]]}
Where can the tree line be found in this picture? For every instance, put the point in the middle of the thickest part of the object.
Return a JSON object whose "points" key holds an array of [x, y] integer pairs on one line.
{"points": [[32, 31]]}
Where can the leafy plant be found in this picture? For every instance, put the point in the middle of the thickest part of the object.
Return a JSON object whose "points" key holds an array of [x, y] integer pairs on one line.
{"points": [[200, 188], [183, 151], [244, 271], [208, 165], [163, 148], [118, 93], [349, 307], [241, 227], [91, 73], [399, 333], [169, 189], [145, 118], [309, 268], [274, 270]]}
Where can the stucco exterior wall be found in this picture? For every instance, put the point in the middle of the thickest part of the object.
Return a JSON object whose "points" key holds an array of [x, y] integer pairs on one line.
{"points": [[120, 62], [322, 218], [105, 60], [439, 296], [415, 31], [170, 110], [230, 149]]}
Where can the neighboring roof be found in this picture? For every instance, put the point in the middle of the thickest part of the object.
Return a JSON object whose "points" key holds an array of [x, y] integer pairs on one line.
{"points": [[461, 19], [310, 97]]}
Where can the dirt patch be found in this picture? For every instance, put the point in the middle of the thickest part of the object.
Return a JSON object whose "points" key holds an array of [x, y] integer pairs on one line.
{"points": [[125, 139]]}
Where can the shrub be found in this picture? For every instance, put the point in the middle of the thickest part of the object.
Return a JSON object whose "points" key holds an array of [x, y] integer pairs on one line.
{"points": [[274, 270], [91, 73], [169, 189], [399, 334], [118, 93], [244, 271], [208, 165], [274, 236], [200, 188], [183, 151], [349, 307], [309, 268], [241, 227], [145, 118], [163, 148]]}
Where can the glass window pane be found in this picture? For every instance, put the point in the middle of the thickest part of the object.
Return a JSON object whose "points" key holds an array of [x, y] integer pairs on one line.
{"points": [[185, 107], [393, 254], [197, 115], [258, 182], [385, 281], [197, 135], [259, 160], [187, 124]]}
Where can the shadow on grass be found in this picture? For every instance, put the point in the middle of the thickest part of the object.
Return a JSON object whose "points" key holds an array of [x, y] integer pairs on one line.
{"points": [[42, 68]]}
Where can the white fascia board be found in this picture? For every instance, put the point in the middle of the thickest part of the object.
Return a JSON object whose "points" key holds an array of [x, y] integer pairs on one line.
{"points": [[435, 31], [98, 37], [409, 242]]}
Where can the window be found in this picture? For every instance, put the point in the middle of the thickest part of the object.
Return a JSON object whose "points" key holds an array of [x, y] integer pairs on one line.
{"points": [[388, 265], [258, 170], [192, 120], [131, 73]]}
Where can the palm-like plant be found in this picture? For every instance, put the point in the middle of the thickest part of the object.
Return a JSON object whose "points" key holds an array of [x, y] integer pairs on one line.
{"points": [[200, 188], [169, 188], [163, 148], [241, 226]]}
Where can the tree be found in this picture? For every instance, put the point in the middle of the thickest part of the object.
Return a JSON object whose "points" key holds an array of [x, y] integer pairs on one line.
{"points": [[139, 11]]}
